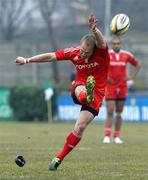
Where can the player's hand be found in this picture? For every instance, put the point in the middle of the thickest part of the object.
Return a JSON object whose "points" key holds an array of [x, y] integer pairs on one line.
{"points": [[92, 22], [20, 61], [129, 78]]}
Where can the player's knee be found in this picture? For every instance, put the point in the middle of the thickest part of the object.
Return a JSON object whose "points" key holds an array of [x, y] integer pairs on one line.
{"points": [[79, 88], [82, 96], [118, 114], [110, 113], [80, 128]]}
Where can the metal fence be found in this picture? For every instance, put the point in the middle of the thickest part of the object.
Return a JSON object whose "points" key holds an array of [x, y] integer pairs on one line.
{"points": [[11, 74]]}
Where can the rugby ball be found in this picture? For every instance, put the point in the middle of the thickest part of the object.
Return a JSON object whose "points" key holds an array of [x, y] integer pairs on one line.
{"points": [[120, 24]]}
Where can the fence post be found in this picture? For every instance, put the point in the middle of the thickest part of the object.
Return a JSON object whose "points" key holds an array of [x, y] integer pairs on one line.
{"points": [[49, 110]]}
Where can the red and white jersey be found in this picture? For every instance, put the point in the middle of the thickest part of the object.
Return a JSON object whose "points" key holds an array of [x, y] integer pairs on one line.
{"points": [[118, 65], [97, 65]]}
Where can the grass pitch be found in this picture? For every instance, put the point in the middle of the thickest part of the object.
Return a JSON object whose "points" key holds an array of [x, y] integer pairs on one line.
{"points": [[90, 160]]}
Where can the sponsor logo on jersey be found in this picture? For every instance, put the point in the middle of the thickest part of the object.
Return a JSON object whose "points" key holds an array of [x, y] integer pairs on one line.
{"points": [[118, 63], [76, 58], [87, 66]]}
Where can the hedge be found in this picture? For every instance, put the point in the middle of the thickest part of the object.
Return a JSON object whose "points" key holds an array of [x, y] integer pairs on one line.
{"points": [[28, 103]]}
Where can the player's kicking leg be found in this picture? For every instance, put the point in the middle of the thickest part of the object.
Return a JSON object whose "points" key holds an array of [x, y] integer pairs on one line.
{"points": [[72, 139], [84, 95], [85, 92]]}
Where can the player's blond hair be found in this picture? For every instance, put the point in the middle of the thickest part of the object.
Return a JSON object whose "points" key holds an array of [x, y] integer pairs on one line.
{"points": [[89, 39]]}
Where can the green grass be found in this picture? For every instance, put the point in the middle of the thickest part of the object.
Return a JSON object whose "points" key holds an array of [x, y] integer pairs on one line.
{"points": [[91, 160]]}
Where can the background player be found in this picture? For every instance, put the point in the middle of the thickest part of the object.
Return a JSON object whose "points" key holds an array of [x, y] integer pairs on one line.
{"points": [[91, 60], [116, 90]]}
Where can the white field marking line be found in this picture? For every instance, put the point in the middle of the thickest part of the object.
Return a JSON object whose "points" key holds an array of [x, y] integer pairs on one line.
{"points": [[104, 174], [22, 149], [116, 174], [21, 177], [85, 148]]}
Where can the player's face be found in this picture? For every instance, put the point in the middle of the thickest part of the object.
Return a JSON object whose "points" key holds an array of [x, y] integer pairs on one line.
{"points": [[86, 50], [116, 45]]}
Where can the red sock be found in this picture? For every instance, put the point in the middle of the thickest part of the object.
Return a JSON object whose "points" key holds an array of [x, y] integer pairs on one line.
{"points": [[71, 141], [107, 132], [116, 134], [82, 97]]}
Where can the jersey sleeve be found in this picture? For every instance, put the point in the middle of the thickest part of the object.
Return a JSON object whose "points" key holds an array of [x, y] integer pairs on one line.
{"points": [[132, 60], [104, 49], [60, 55], [65, 54], [104, 52]]}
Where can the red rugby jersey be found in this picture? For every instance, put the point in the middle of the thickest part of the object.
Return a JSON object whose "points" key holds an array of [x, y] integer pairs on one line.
{"points": [[97, 65], [118, 65]]}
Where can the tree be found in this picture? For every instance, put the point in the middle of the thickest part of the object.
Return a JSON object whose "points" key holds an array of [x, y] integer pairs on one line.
{"points": [[13, 15], [47, 8]]}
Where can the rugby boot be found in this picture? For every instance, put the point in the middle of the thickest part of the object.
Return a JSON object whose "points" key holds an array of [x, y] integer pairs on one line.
{"points": [[54, 164], [90, 84]]}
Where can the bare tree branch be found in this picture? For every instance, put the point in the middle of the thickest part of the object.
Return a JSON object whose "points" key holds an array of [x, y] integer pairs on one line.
{"points": [[13, 14], [47, 8]]}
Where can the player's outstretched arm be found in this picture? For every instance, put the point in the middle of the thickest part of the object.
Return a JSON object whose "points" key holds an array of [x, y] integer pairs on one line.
{"points": [[47, 57], [100, 41]]}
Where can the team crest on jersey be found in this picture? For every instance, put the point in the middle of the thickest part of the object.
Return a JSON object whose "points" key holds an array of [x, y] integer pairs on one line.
{"points": [[124, 56]]}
